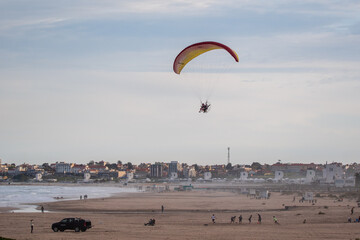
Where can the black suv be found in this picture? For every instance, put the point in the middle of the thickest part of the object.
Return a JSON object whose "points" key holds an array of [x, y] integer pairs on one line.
{"points": [[76, 224]]}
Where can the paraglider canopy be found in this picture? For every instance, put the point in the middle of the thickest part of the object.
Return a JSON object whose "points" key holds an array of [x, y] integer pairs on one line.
{"points": [[197, 49]]}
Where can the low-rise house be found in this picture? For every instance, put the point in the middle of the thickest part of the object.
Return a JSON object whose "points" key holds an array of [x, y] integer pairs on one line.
{"points": [[21, 169], [96, 169], [103, 163], [292, 167], [78, 168], [3, 169], [121, 174], [141, 173]]}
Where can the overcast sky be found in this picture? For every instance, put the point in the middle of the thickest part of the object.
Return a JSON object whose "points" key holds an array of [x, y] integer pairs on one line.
{"points": [[93, 80]]}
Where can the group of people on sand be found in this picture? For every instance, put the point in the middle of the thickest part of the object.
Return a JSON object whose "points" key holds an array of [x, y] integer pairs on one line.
{"points": [[233, 219], [150, 223], [85, 197], [356, 220]]}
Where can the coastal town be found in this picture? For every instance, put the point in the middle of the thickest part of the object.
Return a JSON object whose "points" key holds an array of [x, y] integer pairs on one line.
{"points": [[337, 174], [123, 200]]}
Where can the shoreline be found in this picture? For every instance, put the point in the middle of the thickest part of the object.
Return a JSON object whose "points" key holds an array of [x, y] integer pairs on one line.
{"points": [[110, 184], [27, 205]]}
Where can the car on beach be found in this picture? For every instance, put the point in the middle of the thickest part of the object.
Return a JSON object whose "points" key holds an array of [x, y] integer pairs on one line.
{"points": [[77, 224]]}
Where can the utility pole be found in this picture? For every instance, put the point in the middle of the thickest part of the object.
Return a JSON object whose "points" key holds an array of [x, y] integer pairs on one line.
{"points": [[228, 155]]}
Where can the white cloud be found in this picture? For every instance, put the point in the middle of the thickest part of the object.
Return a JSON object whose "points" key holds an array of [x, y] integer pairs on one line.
{"points": [[38, 23], [45, 12]]}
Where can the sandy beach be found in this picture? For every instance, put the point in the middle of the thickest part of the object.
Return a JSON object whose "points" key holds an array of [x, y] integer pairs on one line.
{"points": [[187, 215]]}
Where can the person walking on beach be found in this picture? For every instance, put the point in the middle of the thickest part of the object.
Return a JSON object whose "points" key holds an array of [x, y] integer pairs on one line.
{"points": [[42, 208], [275, 220], [240, 219], [213, 218], [250, 219], [162, 208], [31, 226], [259, 218]]}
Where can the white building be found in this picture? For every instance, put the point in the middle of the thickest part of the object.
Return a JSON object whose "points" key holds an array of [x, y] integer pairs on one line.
{"points": [[129, 176], [279, 175], [243, 176], [87, 177], [62, 167], [189, 172], [310, 176], [38, 177], [333, 172], [192, 172], [207, 175], [173, 175]]}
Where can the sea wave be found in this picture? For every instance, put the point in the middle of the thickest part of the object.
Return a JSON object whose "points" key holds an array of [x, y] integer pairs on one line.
{"points": [[16, 196]]}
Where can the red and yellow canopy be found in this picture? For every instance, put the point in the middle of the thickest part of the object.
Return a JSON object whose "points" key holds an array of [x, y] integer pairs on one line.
{"points": [[194, 50]]}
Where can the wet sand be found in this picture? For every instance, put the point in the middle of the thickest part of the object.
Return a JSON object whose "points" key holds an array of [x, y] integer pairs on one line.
{"points": [[187, 215]]}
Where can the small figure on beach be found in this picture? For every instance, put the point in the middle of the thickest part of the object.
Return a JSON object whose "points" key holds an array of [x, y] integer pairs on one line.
{"points": [[31, 226], [162, 208], [232, 219], [275, 220], [150, 223], [213, 218], [80, 197], [240, 219], [250, 219], [259, 218], [294, 199], [42, 208], [85, 196]]}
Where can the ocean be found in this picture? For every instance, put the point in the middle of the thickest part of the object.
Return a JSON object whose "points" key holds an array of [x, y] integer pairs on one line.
{"points": [[18, 196]]}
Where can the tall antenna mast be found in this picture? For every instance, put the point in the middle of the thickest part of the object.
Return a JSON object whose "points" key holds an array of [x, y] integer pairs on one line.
{"points": [[228, 155]]}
